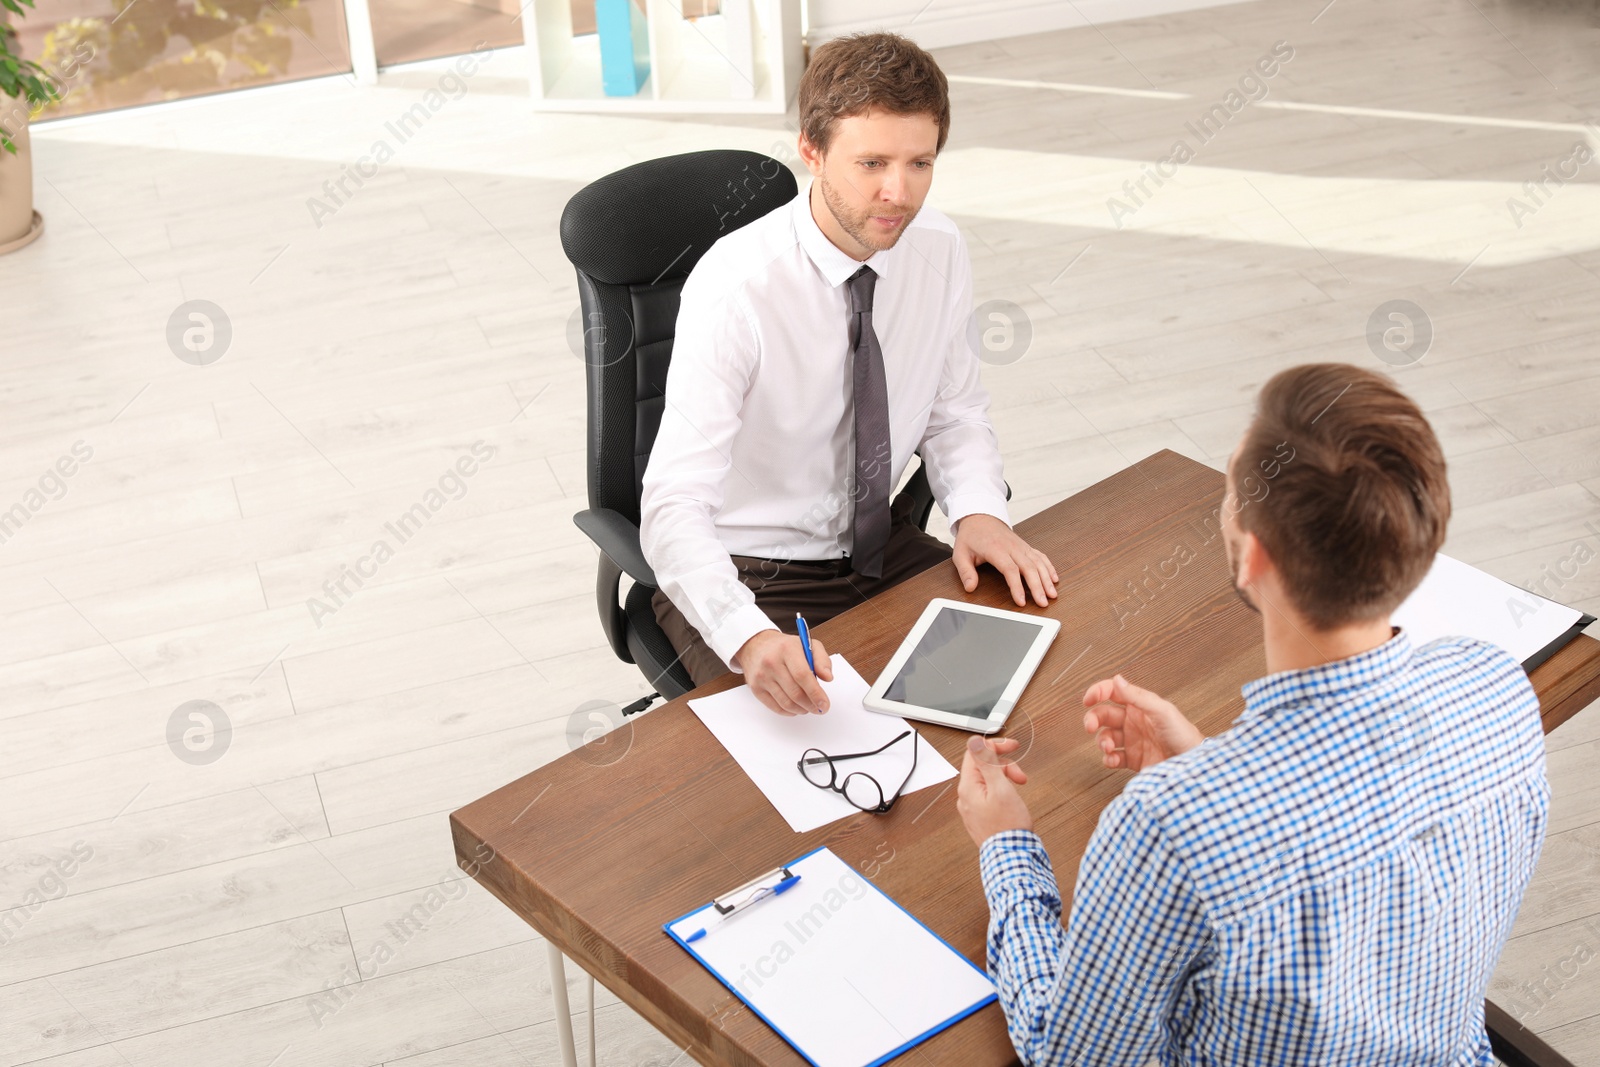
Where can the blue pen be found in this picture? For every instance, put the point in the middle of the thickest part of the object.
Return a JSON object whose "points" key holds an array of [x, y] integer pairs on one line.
{"points": [[777, 890], [805, 640]]}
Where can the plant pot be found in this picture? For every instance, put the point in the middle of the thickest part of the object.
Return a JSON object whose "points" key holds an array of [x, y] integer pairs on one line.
{"points": [[19, 223]]}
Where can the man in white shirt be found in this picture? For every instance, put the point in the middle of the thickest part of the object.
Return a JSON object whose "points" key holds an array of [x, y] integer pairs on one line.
{"points": [[816, 350]]}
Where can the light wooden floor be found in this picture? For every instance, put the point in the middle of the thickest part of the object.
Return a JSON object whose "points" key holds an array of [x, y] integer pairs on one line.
{"points": [[212, 906]]}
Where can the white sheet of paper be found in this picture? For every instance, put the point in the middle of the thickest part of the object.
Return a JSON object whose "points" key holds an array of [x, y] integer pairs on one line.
{"points": [[768, 746], [1458, 599], [840, 970]]}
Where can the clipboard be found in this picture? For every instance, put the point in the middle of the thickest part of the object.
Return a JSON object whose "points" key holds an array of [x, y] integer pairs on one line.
{"points": [[1561, 641], [835, 966]]}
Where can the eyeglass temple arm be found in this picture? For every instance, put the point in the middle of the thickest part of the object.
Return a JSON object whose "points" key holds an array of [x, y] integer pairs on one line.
{"points": [[907, 779], [857, 755]]}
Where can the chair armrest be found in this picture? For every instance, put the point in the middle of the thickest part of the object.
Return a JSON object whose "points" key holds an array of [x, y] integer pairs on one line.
{"points": [[618, 538], [1514, 1044]]}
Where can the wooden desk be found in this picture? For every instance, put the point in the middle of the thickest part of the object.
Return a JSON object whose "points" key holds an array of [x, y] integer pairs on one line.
{"points": [[599, 848]]}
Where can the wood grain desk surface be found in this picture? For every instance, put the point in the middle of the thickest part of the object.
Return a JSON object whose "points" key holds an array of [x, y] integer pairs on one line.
{"points": [[597, 849]]}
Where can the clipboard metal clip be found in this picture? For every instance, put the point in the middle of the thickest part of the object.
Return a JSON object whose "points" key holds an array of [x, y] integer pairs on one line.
{"points": [[759, 888]]}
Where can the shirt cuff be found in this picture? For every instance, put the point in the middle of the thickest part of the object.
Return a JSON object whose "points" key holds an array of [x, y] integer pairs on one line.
{"points": [[959, 506], [740, 626], [1012, 861]]}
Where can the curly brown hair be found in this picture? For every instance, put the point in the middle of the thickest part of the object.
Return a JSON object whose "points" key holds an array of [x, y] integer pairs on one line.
{"points": [[853, 74], [1353, 496]]}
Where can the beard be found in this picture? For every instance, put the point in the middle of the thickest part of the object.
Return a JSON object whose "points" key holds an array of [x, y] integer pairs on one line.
{"points": [[858, 224]]}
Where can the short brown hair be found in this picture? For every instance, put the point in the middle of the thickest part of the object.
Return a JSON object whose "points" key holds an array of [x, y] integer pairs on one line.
{"points": [[864, 71], [1354, 499]]}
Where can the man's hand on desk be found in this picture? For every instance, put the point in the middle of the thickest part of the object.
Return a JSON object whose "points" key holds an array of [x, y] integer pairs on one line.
{"points": [[985, 539], [987, 796], [1136, 729], [775, 668]]}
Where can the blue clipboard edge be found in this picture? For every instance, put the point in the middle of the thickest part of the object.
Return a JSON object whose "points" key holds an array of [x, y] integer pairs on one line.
{"points": [[919, 1039]]}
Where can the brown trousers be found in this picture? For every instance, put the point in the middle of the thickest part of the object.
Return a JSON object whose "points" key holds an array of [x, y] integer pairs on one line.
{"points": [[818, 589]]}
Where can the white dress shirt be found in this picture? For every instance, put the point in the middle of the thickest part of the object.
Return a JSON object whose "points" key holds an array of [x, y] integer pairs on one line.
{"points": [[755, 454]]}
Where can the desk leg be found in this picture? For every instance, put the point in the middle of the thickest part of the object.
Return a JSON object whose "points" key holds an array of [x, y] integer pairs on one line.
{"points": [[591, 1021], [558, 989]]}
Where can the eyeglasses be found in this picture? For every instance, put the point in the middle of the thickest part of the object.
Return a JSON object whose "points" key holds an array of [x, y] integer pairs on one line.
{"points": [[859, 788]]}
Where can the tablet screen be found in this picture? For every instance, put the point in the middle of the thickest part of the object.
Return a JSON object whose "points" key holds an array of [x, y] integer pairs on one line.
{"points": [[963, 663]]}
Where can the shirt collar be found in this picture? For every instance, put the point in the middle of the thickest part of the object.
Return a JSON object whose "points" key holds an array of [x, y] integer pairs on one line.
{"points": [[836, 267], [1265, 695]]}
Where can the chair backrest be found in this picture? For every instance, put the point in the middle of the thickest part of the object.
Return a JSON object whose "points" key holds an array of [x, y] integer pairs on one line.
{"points": [[633, 237]]}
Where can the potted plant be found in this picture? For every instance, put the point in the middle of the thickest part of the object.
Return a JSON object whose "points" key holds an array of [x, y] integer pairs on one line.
{"points": [[24, 87]]}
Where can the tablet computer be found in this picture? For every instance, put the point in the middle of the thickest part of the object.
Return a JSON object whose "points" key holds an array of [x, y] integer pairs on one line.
{"points": [[962, 665]]}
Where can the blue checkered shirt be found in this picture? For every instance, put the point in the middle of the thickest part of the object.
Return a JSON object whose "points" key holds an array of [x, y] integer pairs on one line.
{"points": [[1328, 882]]}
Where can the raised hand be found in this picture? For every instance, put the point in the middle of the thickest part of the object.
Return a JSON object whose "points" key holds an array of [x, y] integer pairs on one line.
{"points": [[1136, 729], [987, 796]]}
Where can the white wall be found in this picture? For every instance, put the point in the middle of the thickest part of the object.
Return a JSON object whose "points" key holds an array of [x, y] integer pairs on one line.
{"points": [[945, 22]]}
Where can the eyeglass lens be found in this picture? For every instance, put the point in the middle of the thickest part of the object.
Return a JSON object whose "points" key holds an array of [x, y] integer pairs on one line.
{"points": [[863, 791], [817, 768]]}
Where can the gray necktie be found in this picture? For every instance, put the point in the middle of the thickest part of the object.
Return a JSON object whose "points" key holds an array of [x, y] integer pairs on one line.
{"points": [[869, 524]]}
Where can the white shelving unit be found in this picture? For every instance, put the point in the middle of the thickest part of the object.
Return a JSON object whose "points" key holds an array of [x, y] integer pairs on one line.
{"points": [[745, 60]]}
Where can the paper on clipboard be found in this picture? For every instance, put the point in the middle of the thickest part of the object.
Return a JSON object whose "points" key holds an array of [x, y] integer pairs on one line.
{"points": [[1458, 599]]}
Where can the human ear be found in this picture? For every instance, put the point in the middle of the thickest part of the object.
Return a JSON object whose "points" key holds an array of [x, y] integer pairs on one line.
{"points": [[811, 156], [1252, 559]]}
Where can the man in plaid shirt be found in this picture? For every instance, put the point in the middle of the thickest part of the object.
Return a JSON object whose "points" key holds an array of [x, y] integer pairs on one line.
{"points": [[1331, 880]]}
